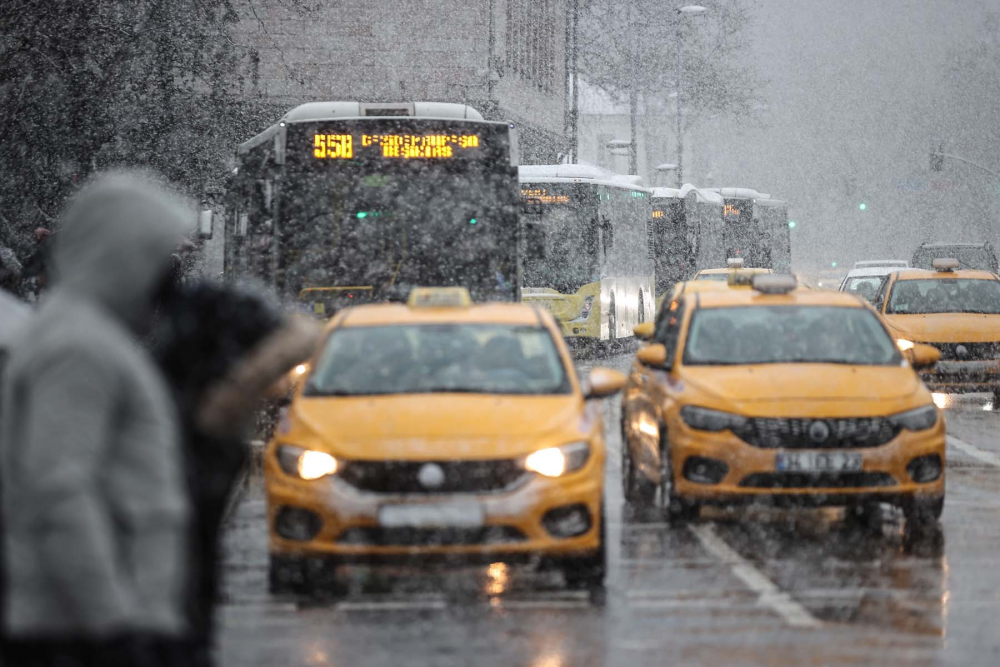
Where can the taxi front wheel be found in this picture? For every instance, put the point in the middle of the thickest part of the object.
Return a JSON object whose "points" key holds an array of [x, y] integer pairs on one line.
{"points": [[675, 508], [636, 487]]}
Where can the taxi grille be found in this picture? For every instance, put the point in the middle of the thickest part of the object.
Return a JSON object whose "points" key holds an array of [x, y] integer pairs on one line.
{"points": [[431, 537], [822, 480], [771, 433], [402, 477], [972, 352]]}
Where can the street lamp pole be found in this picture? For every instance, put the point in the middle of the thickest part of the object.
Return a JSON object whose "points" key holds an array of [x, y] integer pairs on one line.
{"points": [[686, 11]]}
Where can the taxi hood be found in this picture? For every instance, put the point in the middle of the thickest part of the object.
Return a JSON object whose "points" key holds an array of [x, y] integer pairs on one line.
{"points": [[946, 327], [433, 426], [794, 388]]}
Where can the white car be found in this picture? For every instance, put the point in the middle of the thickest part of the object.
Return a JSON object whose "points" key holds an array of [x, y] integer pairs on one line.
{"points": [[880, 263], [865, 280]]}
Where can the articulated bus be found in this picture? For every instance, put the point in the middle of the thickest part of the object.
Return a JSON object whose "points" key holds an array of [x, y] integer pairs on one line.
{"points": [[587, 255], [345, 202]]}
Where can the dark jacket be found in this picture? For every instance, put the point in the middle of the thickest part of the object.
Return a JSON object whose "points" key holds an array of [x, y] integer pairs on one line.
{"points": [[220, 349]]}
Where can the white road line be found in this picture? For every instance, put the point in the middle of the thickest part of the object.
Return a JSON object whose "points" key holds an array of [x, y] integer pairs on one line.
{"points": [[393, 605], [770, 595], [973, 451]]}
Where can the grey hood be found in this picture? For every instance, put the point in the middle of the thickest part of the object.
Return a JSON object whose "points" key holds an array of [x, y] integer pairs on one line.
{"points": [[115, 241]]}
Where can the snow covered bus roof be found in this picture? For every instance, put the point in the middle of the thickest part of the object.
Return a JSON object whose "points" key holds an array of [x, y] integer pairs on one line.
{"points": [[319, 111], [578, 173], [704, 195], [671, 193], [740, 193]]}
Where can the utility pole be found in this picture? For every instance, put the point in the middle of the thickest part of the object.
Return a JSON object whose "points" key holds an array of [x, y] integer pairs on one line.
{"points": [[633, 93], [683, 13]]}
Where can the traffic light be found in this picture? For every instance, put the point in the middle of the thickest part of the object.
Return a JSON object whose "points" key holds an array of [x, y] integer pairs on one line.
{"points": [[833, 264], [862, 206], [791, 224]]}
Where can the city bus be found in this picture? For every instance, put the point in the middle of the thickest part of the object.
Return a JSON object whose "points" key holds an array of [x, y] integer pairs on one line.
{"points": [[756, 229], [345, 202], [681, 218], [587, 255]]}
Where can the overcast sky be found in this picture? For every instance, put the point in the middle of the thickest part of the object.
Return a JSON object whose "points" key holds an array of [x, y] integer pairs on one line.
{"points": [[853, 86]]}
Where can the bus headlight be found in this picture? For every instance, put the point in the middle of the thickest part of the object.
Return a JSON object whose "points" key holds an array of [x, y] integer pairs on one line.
{"points": [[584, 314]]}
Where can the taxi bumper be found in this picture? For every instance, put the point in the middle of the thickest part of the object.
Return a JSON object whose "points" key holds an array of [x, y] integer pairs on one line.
{"points": [[751, 473], [963, 376], [539, 516]]}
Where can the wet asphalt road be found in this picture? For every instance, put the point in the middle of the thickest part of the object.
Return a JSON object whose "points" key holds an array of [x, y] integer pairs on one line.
{"points": [[751, 588]]}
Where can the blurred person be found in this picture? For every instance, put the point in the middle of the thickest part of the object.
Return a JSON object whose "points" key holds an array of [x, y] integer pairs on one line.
{"points": [[10, 271], [94, 504], [221, 349]]}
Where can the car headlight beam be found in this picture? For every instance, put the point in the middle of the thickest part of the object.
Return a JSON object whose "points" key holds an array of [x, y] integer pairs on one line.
{"points": [[306, 464], [904, 344], [557, 461]]}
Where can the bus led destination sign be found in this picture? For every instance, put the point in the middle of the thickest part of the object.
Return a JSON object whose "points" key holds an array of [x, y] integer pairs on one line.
{"points": [[394, 146], [543, 196]]}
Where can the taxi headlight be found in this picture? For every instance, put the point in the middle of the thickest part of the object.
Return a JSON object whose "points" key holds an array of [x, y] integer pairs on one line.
{"points": [[557, 461], [306, 463], [904, 344], [703, 419], [920, 419]]}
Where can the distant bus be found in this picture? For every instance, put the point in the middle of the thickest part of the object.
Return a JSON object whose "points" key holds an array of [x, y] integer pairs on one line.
{"points": [[686, 226], [756, 229], [346, 202], [587, 255]]}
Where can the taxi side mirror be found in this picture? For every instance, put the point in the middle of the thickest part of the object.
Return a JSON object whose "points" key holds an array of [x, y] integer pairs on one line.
{"points": [[603, 382], [922, 357], [654, 356], [643, 331]]}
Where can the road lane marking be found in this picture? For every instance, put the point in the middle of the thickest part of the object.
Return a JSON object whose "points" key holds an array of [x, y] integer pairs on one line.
{"points": [[769, 594], [973, 451], [393, 605]]}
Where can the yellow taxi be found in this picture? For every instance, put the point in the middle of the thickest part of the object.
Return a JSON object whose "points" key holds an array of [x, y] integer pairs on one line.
{"points": [[439, 428], [958, 312], [780, 395], [732, 264], [710, 280]]}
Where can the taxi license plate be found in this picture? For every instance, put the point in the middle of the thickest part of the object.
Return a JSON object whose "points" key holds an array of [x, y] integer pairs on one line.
{"points": [[432, 515], [818, 462]]}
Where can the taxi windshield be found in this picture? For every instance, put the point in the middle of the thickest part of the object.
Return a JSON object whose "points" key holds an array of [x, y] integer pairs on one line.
{"points": [[445, 358], [722, 277], [787, 335], [912, 297], [864, 286]]}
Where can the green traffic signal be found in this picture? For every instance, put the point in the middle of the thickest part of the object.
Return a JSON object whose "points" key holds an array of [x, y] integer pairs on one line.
{"points": [[833, 264], [862, 206], [791, 224]]}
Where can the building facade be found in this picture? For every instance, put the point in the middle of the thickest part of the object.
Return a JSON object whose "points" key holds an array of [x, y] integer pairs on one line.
{"points": [[506, 58]]}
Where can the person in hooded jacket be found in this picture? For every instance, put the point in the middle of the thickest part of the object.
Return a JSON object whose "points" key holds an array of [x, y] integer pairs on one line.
{"points": [[95, 510], [221, 349]]}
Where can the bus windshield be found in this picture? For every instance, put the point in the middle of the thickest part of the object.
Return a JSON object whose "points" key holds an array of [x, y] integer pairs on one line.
{"points": [[400, 202], [569, 258]]}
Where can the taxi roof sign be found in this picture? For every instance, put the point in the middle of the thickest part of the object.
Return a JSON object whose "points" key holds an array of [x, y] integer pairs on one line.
{"points": [[945, 264], [439, 297], [739, 277], [735, 262], [771, 283]]}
